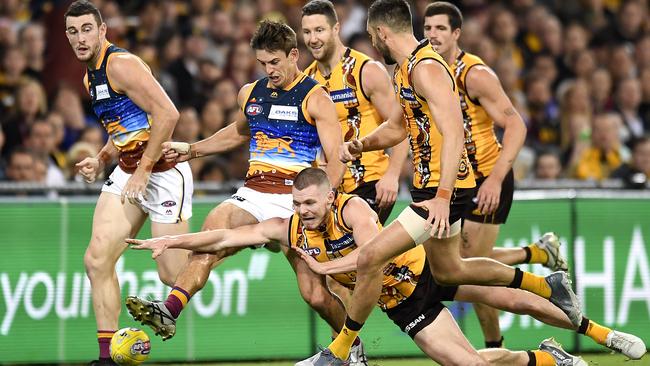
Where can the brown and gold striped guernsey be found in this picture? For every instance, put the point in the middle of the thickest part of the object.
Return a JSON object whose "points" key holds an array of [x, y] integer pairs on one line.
{"points": [[334, 239], [424, 137], [357, 116], [481, 143]]}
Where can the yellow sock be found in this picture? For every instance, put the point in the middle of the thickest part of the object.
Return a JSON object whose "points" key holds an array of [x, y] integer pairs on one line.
{"points": [[597, 332], [537, 255], [340, 347], [535, 284], [543, 358]]}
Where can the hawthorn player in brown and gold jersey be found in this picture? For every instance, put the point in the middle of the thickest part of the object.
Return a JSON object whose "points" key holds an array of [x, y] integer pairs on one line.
{"points": [[327, 231], [484, 104], [362, 92], [443, 180]]}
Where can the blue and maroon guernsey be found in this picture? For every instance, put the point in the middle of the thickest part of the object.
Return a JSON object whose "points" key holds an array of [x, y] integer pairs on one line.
{"points": [[284, 139], [125, 122]]}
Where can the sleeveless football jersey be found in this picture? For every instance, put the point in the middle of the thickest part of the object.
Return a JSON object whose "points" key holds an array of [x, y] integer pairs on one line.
{"points": [[284, 139], [124, 121], [356, 114], [424, 137], [334, 239], [481, 143]]}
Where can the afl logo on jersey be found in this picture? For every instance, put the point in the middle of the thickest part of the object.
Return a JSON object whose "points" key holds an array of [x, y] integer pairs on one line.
{"points": [[254, 109]]}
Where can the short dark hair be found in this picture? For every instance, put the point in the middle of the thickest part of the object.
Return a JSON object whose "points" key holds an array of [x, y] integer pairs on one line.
{"points": [[83, 7], [309, 177], [321, 7], [273, 36], [448, 9], [396, 14]]}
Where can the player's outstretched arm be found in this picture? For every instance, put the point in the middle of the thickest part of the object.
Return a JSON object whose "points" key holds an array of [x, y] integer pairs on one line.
{"points": [[226, 139], [322, 110], [129, 75], [434, 82], [359, 217], [436, 85], [483, 85], [214, 240]]}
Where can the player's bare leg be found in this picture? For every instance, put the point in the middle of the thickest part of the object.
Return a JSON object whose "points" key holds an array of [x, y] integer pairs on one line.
{"points": [[315, 292], [478, 241], [112, 223], [524, 303], [171, 261], [444, 342], [161, 317]]}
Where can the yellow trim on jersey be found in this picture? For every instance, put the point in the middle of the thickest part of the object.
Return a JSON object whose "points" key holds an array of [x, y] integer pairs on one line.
{"points": [[301, 76], [356, 114], [483, 147], [102, 53], [424, 136], [303, 106], [248, 95]]}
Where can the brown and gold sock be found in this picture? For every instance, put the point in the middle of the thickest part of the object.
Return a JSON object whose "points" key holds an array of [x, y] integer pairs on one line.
{"points": [[594, 331], [531, 283], [535, 254], [540, 358], [340, 347]]}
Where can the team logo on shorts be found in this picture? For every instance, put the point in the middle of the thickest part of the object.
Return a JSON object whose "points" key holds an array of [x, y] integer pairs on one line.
{"points": [[238, 198], [108, 182], [168, 204], [254, 109]]}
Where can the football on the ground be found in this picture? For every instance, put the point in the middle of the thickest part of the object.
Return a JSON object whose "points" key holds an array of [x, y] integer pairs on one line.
{"points": [[130, 346]]}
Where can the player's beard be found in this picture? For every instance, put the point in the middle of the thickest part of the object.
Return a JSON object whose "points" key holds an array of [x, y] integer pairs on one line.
{"points": [[385, 52], [328, 49]]}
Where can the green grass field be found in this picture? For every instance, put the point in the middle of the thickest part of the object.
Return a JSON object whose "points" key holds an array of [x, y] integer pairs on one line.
{"points": [[592, 358]]}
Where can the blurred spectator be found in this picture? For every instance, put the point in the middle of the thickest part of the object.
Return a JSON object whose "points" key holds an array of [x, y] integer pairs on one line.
{"points": [[601, 90], [188, 126], [20, 166], [605, 153], [67, 103], [214, 170], [212, 118], [41, 142], [93, 135], [620, 63], [628, 101], [548, 166], [241, 67], [79, 151], [12, 75], [32, 42], [30, 105], [636, 173], [543, 111], [185, 70], [575, 120], [226, 92], [503, 28]]}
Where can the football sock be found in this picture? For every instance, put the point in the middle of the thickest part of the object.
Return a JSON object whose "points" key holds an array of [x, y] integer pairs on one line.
{"points": [[594, 331], [540, 358], [494, 344], [176, 301], [535, 254], [531, 283], [340, 347], [104, 340]]}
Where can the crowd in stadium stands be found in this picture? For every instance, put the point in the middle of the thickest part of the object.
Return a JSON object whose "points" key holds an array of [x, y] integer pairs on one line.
{"points": [[577, 71]]}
